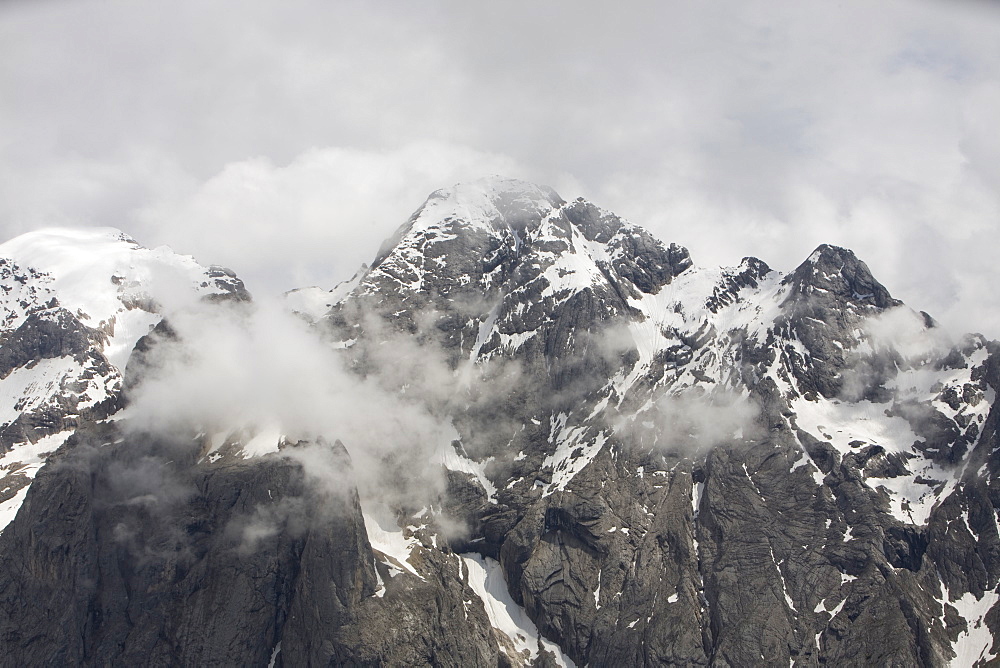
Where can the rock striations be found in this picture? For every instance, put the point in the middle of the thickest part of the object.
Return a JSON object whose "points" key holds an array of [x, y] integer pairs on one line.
{"points": [[646, 462]]}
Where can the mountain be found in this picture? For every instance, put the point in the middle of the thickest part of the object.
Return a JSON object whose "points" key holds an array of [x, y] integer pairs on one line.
{"points": [[530, 433], [73, 304]]}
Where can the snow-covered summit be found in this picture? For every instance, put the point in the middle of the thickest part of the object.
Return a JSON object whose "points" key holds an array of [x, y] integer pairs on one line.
{"points": [[98, 273], [496, 208], [73, 304], [487, 201], [487, 197]]}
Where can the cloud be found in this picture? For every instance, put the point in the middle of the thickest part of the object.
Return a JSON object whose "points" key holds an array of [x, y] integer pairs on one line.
{"points": [[316, 219], [246, 369], [896, 339], [734, 128], [694, 421], [906, 332]]}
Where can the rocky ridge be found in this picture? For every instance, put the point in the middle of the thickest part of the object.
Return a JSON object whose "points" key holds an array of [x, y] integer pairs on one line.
{"points": [[652, 463], [73, 305]]}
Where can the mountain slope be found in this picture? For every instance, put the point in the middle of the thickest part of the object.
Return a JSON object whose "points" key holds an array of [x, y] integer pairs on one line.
{"points": [[74, 302], [820, 422], [636, 461]]}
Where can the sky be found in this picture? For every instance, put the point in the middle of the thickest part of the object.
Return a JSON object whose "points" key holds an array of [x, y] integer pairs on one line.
{"points": [[287, 140]]}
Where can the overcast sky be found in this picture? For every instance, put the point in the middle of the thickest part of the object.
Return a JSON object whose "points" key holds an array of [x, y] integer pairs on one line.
{"points": [[288, 139]]}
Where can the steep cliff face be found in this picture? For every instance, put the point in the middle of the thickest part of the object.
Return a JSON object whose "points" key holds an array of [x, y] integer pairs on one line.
{"points": [[646, 462], [131, 552]]}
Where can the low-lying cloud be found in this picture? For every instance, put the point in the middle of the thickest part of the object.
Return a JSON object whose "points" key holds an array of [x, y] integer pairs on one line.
{"points": [[692, 422], [255, 368], [894, 340], [908, 333]]}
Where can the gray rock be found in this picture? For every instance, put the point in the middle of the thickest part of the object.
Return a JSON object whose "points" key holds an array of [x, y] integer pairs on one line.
{"points": [[630, 535]]}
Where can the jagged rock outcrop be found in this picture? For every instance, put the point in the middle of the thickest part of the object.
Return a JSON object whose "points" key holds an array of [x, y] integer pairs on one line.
{"points": [[647, 462]]}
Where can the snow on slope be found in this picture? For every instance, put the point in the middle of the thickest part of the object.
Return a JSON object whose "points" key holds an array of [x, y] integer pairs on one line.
{"points": [[487, 580], [19, 467], [390, 540], [973, 644], [94, 283], [851, 426], [680, 313], [30, 387], [105, 279]]}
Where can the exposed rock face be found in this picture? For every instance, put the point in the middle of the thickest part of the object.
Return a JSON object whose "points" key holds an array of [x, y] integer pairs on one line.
{"points": [[72, 305], [665, 464], [136, 555]]}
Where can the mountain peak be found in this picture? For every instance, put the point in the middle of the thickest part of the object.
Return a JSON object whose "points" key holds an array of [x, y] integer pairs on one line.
{"points": [[497, 200], [839, 272], [550, 385], [94, 270], [829, 254], [477, 233], [497, 188], [59, 245], [496, 205]]}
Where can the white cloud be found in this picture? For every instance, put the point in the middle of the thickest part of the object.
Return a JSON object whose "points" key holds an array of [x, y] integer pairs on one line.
{"points": [[904, 331], [694, 421], [314, 220], [247, 369], [736, 128]]}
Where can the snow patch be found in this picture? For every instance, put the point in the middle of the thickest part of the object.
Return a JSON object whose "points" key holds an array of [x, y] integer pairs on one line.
{"points": [[696, 492], [570, 441], [274, 655], [264, 442], [26, 460], [974, 643], [850, 426], [30, 387], [392, 543], [452, 460], [486, 579]]}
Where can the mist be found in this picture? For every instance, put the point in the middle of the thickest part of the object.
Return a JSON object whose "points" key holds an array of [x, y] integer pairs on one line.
{"points": [[237, 371], [287, 144], [909, 333], [691, 422]]}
